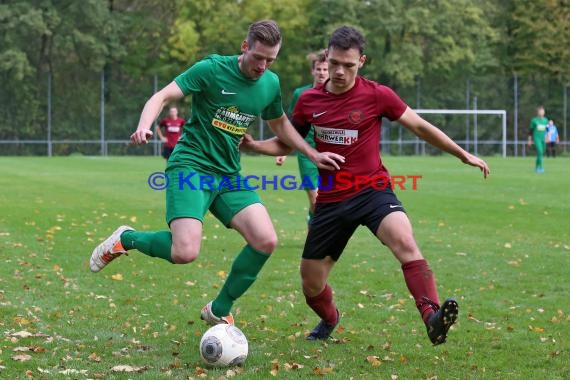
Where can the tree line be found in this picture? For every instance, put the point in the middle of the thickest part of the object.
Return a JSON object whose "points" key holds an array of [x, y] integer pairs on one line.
{"points": [[435, 54]]}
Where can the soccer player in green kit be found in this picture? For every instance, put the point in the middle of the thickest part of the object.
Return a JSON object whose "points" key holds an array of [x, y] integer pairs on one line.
{"points": [[228, 94], [307, 169], [537, 135]]}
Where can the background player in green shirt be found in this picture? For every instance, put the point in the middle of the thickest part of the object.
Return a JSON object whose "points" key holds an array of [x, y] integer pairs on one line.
{"points": [[537, 135], [307, 169], [228, 94]]}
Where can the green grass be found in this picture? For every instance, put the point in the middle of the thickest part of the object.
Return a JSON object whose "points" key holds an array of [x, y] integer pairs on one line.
{"points": [[501, 246]]}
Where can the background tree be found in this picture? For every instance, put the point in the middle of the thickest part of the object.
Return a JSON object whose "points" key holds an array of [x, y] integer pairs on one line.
{"points": [[436, 54]]}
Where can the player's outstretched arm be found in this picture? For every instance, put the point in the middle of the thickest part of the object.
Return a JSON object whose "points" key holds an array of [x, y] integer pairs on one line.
{"points": [[436, 137], [152, 109], [269, 147], [287, 134]]}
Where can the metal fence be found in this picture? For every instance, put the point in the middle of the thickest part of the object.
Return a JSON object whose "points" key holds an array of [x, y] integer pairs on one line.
{"points": [[98, 119]]}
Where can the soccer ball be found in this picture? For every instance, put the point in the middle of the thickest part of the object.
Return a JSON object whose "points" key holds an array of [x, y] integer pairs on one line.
{"points": [[223, 345]]}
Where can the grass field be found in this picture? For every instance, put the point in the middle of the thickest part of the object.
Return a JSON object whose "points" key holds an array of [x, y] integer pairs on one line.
{"points": [[501, 246]]}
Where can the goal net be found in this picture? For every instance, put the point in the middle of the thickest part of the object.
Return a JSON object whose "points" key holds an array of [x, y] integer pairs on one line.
{"points": [[481, 132]]}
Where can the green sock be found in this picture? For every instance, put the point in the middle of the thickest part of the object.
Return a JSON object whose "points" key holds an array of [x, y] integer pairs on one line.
{"points": [[244, 271], [540, 147], [155, 244]]}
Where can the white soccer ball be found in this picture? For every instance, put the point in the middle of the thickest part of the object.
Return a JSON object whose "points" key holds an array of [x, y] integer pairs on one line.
{"points": [[223, 345]]}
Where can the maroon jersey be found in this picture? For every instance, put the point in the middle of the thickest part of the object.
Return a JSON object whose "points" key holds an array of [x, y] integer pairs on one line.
{"points": [[349, 124], [172, 130]]}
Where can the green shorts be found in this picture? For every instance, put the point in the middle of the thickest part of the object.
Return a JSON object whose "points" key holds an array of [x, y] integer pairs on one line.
{"points": [[308, 171], [191, 194]]}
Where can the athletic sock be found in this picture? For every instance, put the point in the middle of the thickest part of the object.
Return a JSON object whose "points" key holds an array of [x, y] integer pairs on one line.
{"points": [[421, 283], [324, 306], [155, 244], [243, 274]]}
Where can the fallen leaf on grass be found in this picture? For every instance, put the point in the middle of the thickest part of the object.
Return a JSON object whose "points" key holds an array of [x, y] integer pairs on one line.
{"points": [[22, 334], [31, 348], [71, 371], [201, 372], [230, 373], [128, 368], [472, 318], [536, 329], [292, 366], [374, 360], [94, 357], [322, 371], [21, 321], [274, 367], [117, 277], [22, 357], [21, 349]]}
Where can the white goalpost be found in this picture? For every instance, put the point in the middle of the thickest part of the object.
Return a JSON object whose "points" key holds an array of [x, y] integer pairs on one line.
{"points": [[474, 113]]}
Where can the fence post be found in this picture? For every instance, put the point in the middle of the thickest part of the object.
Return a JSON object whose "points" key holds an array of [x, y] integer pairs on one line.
{"points": [[475, 125], [516, 112], [155, 126], [418, 106], [102, 112], [467, 119], [565, 115], [49, 143]]}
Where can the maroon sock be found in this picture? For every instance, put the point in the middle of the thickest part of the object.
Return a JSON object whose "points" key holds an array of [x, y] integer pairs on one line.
{"points": [[421, 283], [324, 306]]}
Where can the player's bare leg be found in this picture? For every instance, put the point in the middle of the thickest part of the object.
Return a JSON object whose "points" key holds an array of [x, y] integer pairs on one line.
{"points": [[186, 240]]}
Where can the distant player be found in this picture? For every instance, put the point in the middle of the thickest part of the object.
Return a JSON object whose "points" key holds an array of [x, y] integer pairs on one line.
{"points": [[346, 113], [552, 138], [536, 136], [307, 169], [172, 127]]}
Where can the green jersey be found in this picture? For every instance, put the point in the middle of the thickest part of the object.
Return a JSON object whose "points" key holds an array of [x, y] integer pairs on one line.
{"points": [[224, 104], [298, 91], [538, 127]]}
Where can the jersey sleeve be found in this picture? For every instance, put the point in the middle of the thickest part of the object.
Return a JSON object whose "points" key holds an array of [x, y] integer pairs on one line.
{"points": [[390, 104], [298, 120], [275, 108], [294, 99], [195, 79]]}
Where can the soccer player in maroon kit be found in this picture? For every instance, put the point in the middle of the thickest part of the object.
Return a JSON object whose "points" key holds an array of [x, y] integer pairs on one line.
{"points": [[172, 131], [346, 113]]}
